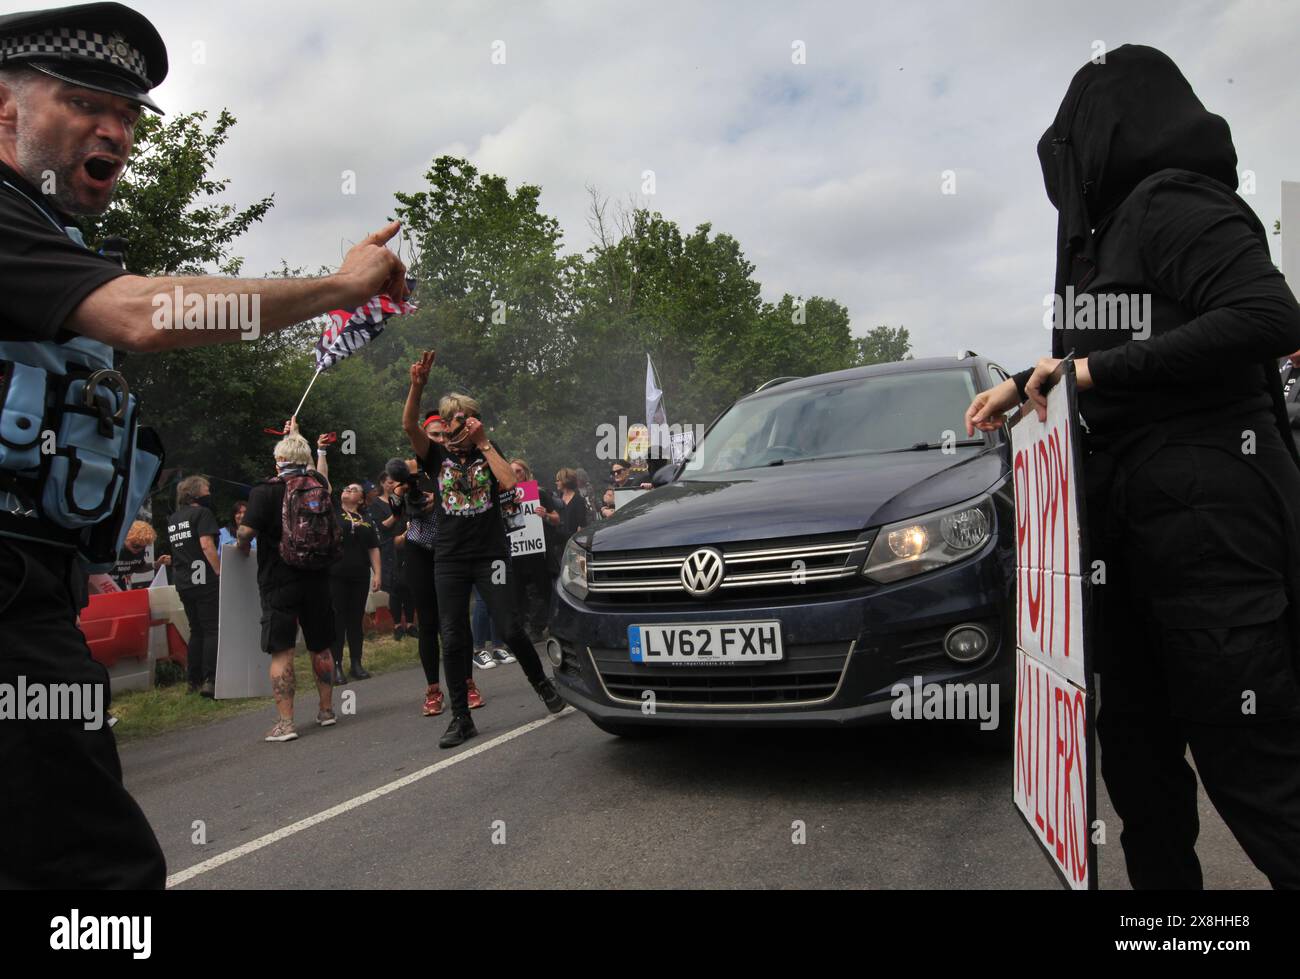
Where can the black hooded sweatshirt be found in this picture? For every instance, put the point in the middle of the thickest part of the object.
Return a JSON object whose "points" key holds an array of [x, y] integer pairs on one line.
{"points": [[1144, 180]]}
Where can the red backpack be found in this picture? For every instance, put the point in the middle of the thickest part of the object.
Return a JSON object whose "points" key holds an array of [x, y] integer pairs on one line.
{"points": [[309, 535]]}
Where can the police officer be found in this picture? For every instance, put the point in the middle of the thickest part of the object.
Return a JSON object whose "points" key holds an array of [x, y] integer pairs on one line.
{"points": [[75, 464]]}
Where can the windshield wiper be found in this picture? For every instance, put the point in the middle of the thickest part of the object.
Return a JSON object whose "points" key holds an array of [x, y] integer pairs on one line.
{"points": [[922, 446]]}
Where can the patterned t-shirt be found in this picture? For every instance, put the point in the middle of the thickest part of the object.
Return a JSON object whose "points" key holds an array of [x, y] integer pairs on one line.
{"points": [[469, 517]]}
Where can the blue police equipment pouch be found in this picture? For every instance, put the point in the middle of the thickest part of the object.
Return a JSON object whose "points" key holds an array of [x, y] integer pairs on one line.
{"points": [[72, 451]]}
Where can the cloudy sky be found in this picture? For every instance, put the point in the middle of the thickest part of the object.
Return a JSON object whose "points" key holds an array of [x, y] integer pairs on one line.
{"points": [[828, 172]]}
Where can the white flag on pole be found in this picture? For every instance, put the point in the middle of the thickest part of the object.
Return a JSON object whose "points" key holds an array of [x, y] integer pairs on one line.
{"points": [[655, 415]]}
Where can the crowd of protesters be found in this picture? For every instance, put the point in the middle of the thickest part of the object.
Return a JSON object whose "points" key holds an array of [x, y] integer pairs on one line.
{"points": [[430, 533]]}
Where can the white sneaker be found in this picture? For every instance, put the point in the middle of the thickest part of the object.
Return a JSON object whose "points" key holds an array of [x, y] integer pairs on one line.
{"points": [[503, 656], [484, 661]]}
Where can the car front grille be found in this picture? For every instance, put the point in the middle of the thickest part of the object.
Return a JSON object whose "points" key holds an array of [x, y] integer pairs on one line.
{"points": [[809, 674], [788, 565]]}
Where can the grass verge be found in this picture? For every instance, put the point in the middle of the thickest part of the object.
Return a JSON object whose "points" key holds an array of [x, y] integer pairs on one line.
{"points": [[164, 709]]}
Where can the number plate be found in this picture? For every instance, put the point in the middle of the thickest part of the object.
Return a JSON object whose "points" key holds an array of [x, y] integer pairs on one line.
{"points": [[724, 642]]}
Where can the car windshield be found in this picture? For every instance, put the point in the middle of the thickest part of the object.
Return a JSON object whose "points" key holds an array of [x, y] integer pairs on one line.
{"points": [[886, 413]]}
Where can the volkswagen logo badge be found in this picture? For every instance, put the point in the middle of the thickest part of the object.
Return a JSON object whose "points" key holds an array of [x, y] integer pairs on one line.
{"points": [[702, 572]]}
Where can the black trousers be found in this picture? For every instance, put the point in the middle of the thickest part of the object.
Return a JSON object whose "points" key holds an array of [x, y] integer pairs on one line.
{"points": [[424, 593], [532, 594], [455, 581], [349, 598], [401, 603], [66, 821], [201, 610], [1197, 651]]}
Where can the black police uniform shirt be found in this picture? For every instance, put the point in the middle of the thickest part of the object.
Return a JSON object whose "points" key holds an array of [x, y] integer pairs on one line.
{"points": [[185, 530], [358, 538], [44, 274], [469, 523]]}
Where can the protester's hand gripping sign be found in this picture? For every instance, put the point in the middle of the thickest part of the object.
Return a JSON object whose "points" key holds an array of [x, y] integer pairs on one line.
{"points": [[525, 525], [1055, 783]]}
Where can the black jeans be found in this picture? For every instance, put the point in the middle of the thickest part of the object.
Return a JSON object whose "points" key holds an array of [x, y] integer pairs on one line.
{"points": [[401, 603], [532, 593], [1196, 652], [494, 579], [349, 598], [424, 594], [66, 821], [201, 610]]}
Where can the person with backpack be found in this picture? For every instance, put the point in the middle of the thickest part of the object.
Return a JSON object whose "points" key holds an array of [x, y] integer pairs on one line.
{"points": [[292, 516]]}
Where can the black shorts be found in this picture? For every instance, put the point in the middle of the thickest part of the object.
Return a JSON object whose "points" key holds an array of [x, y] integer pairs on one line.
{"points": [[297, 598]]}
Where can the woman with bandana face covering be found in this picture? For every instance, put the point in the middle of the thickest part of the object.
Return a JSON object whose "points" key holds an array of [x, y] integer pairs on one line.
{"points": [[1191, 474], [472, 551]]}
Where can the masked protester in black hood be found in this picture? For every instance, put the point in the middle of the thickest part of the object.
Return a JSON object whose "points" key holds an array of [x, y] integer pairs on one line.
{"points": [[1193, 485]]}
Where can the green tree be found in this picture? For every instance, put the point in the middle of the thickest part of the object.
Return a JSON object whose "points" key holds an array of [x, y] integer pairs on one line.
{"points": [[884, 345]]}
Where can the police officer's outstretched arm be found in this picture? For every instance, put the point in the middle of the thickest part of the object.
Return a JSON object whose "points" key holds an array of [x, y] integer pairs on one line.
{"points": [[148, 313]]}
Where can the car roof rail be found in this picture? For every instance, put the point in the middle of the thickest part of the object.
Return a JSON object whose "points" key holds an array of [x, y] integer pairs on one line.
{"points": [[775, 381]]}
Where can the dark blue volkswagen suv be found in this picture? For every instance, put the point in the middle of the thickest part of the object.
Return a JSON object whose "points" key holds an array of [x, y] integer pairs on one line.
{"points": [[829, 537]]}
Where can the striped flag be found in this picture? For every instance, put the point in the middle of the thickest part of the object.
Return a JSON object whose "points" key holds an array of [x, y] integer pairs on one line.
{"points": [[346, 332]]}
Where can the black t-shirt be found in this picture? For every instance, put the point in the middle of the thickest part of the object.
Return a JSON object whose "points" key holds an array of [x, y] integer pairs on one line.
{"points": [[185, 528], [128, 565], [44, 274], [469, 515], [358, 538]]}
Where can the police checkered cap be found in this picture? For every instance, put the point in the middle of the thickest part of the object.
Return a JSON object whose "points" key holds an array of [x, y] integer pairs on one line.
{"points": [[111, 50]]}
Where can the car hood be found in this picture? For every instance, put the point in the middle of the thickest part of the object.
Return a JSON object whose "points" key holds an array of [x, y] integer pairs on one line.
{"points": [[823, 497]]}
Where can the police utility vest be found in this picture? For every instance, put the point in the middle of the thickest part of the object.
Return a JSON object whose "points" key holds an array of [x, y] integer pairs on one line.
{"points": [[75, 464]]}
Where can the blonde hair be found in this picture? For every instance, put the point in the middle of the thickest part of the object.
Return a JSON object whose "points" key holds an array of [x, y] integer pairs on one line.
{"points": [[294, 449], [452, 404], [567, 478], [187, 490], [528, 470], [140, 535]]}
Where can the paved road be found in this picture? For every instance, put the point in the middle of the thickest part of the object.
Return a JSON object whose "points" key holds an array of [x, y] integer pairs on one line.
{"points": [[912, 805]]}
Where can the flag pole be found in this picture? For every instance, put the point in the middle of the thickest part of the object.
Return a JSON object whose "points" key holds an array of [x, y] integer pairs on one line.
{"points": [[305, 393]]}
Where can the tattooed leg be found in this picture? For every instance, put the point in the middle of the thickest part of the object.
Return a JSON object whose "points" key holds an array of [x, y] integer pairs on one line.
{"points": [[282, 683], [323, 664]]}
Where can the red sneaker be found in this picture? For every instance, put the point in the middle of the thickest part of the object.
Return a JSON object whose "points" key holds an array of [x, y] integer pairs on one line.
{"points": [[475, 698], [432, 701]]}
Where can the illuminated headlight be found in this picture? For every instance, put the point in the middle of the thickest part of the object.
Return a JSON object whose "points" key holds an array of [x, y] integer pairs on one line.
{"points": [[573, 569], [922, 544]]}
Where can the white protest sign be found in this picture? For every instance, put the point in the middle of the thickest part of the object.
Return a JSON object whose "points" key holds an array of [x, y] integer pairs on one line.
{"points": [[243, 670], [525, 528], [1054, 780]]}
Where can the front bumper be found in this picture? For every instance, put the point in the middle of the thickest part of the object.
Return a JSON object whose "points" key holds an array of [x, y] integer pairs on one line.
{"points": [[844, 652]]}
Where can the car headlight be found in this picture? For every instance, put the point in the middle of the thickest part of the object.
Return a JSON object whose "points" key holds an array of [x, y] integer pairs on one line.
{"points": [[573, 569], [912, 547]]}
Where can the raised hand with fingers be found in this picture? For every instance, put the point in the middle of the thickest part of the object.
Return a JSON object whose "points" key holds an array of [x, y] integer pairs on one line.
{"points": [[374, 268], [420, 369]]}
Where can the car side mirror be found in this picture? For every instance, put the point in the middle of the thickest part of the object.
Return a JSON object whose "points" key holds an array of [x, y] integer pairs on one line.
{"points": [[666, 474]]}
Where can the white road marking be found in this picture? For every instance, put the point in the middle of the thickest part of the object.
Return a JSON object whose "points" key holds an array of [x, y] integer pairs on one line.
{"points": [[252, 846]]}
